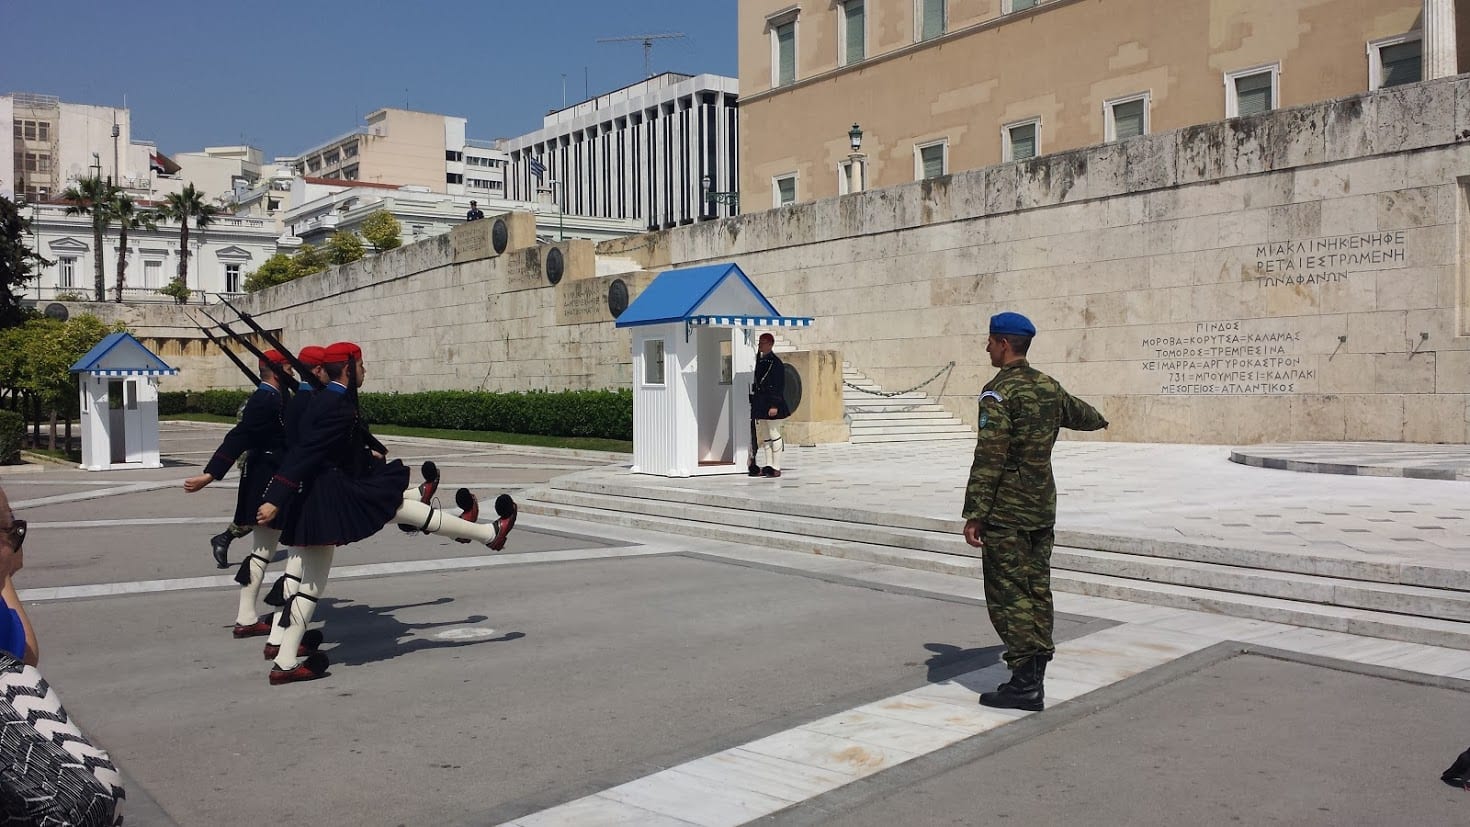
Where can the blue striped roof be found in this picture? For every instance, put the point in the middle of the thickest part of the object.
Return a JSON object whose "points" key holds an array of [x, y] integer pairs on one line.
{"points": [[675, 295], [119, 354]]}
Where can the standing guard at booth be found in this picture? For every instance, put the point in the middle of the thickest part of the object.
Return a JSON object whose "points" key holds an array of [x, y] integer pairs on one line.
{"points": [[767, 408]]}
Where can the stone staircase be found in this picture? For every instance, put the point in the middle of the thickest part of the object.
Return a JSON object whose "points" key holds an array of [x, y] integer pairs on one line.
{"points": [[1365, 597], [907, 417]]}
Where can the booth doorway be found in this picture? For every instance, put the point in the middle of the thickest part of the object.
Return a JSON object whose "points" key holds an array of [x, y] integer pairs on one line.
{"points": [[716, 404], [124, 422]]}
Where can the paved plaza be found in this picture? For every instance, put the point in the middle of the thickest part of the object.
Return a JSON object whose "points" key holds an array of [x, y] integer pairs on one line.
{"points": [[592, 674]]}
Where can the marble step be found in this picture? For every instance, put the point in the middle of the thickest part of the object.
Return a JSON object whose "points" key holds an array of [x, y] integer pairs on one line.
{"points": [[942, 535], [1412, 628], [859, 439]]}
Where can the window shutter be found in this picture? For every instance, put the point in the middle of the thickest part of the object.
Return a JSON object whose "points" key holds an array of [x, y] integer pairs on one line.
{"points": [[1023, 142], [1128, 119], [786, 189], [1253, 94], [1402, 63], [933, 160], [786, 53], [855, 31], [1021, 5], [933, 19]]}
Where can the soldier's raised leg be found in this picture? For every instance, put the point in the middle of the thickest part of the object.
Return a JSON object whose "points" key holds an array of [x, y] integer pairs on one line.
{"points": [[250, 576]]}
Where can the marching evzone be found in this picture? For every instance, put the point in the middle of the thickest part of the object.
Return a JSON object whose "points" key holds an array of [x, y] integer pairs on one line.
{"points": [[261, 434], [288, 583], [337, 491]]}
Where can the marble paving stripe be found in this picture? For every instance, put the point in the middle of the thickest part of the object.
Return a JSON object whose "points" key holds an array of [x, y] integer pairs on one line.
{"points": [[81, 496], [339, 572], [762, 777]]}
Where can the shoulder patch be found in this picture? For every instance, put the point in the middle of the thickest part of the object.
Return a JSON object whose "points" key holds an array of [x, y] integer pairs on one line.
{"points": [[991, 395]]}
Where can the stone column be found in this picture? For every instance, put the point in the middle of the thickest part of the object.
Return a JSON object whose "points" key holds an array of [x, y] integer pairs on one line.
{"points": [[1440, 57]]}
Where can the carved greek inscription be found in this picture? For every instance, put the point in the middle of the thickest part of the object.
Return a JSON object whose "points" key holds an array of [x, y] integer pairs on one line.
{"points": [[1318, 261], [1228, 358]]}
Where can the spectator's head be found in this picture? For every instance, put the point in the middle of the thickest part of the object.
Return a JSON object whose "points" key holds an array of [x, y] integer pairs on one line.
{"points": [[765, 343], [12, 535], [474, 204]]}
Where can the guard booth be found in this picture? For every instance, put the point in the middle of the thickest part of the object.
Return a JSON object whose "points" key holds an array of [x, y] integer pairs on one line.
{"points": [[694, 335], [118, 381]]}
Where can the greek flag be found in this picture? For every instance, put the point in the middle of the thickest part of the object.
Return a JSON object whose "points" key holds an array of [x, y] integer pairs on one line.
{"points": [[537, 168]]}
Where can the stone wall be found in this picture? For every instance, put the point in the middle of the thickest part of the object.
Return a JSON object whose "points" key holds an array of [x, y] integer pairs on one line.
{"points": [[1294, 275]]}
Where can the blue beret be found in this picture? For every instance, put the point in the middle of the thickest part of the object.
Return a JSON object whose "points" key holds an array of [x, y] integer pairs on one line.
{"points": [[1012, 324]]}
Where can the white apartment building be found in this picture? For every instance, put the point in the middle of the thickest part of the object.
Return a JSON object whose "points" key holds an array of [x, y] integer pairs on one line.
{"points": [[51, 143], [408, 148], [642, 152], [221, 256]]}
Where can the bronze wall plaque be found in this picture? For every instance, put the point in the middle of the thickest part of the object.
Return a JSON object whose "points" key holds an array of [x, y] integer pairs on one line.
{"points": [[617, 297], [555, 265], [499, 236]]}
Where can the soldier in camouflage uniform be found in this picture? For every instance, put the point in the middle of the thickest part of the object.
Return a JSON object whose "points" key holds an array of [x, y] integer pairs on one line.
{"points": [[1011, 504]]}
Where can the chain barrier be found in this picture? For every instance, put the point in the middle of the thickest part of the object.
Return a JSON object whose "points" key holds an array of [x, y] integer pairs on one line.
{"points": [[938, 374]]}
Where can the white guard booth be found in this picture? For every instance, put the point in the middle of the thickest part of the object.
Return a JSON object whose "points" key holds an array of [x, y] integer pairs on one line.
{"points": [[118, 380], [694, 337]]}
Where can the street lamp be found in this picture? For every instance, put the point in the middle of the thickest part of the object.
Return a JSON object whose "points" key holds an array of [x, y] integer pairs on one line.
{"points": [[710, 197], [855, 160]]}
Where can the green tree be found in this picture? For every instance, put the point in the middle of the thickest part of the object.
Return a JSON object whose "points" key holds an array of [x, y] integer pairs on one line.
{"points": [[344, 247], [38, 357], [17, 261], [308, 260], [90, 196], [382, 231], [125, 213], [278, 269], [183, 207]]}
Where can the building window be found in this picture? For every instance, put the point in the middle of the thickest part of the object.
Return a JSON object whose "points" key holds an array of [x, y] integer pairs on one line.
{"points": [[930, 160], [350, 173], [1126, 117], [43, 131], [333, 158], [349, 151], [853, 34], [844, 178], [1019, 5], [68, 271], [232, 278], [1021, 140], [272, 204], [1395, 61], [451, 155], [453, 178], [933, 18], [783, 189], [653, 362], [783, 53], [151, 271], [1251, 91]]}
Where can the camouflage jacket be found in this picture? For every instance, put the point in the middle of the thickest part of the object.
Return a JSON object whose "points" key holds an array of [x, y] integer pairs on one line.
{"points": [[1021, 411]]}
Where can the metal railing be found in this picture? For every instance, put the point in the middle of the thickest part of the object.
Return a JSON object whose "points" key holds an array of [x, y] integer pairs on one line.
{"points": [[130, 295]]}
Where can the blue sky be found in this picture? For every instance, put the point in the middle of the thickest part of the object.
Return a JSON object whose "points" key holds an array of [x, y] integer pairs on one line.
{"points": [[284, 76]]}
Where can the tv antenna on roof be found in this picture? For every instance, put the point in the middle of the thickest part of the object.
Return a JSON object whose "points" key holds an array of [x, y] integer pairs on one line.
{"points": [[647, 41]]}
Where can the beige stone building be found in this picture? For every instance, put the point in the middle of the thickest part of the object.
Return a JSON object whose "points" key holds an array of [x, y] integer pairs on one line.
{"points": [[942, 86], [407, 148]]}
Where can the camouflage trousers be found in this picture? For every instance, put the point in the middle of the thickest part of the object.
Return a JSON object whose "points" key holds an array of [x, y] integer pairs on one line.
{"points": [[1017, 571]]}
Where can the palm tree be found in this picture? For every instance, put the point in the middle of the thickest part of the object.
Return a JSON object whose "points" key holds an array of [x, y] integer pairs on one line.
{"points": [[125, 212], [181, 207], [90, 196]]}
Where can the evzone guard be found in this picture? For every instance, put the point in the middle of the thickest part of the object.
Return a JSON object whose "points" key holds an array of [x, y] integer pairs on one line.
{"points": [[261, 436], [334, 489]]}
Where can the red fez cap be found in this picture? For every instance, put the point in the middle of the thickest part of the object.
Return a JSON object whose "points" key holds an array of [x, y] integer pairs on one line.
{"points": [[274, 357], [341, 352], [311, 355]]}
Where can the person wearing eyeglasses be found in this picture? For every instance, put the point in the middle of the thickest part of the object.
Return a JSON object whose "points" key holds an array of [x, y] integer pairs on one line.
{"points": [[17, 636]]}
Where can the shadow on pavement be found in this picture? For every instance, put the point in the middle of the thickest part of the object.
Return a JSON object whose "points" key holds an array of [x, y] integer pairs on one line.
{"points": [[368, 634], [950, 661]]}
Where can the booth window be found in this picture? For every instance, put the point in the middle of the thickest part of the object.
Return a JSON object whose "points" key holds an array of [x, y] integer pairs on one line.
{"points": [[727, 362], [653, 362]]}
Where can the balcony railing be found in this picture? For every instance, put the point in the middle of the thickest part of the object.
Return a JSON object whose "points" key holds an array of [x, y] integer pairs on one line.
{"points": [[130, 295]]}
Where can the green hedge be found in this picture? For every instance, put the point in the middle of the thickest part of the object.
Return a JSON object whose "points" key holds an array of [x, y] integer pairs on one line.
{"points": [[12, 434], [607, 414]]}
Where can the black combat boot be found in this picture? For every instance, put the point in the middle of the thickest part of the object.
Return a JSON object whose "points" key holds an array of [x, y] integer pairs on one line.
{"points": [[1023, 691], [219, 545]]}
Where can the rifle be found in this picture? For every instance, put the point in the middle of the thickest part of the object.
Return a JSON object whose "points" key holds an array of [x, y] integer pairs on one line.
{"points": [[301, 369], [286, 382], [249, 374]]}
